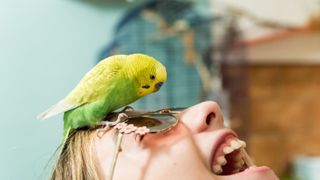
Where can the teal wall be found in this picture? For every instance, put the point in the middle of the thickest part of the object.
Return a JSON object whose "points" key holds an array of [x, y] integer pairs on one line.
{"points": [[45, 48]]}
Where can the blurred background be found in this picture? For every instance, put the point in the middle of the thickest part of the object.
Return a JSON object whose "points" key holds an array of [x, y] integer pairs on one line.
{"points": [[259, 60]]}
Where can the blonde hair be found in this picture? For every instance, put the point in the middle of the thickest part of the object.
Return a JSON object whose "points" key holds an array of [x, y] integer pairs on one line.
{"points": [[76, 160]]}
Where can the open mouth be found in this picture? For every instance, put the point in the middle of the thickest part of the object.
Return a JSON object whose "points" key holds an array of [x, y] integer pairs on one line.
{"points": [[230, 157]]}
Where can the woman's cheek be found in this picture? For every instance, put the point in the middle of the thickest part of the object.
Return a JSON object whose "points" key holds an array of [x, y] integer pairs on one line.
{"points": [[167, 138]]}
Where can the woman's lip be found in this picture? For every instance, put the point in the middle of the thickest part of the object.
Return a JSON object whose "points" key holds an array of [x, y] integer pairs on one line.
{"points": [[253, 169], [252, 172], [221, 139]]}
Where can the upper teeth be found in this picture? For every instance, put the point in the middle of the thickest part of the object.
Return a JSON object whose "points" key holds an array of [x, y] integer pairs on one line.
{"points": [[227, 149], [243, 144], [234, 144], [217, 169], [220, 161]]}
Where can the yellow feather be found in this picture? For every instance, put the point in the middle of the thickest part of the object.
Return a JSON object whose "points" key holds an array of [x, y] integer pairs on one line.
{"points": [[91, 87]]}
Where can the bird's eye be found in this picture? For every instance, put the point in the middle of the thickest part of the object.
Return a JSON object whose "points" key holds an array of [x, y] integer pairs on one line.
{"points": [[146, 86], [152, 77]]}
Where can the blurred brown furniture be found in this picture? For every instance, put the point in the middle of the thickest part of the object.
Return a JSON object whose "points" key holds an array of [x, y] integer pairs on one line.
{"points": [[275, 98]]}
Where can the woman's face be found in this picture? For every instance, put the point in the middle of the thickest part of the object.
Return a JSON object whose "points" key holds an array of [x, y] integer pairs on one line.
{"points": [[194, 149]]}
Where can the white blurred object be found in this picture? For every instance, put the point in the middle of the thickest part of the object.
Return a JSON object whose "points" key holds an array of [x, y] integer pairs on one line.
{"points": [[256, 19], [291, 12], [307, 168]]}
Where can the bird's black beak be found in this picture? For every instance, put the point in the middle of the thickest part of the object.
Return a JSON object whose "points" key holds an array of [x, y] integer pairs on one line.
{"points": [[158, 85]]}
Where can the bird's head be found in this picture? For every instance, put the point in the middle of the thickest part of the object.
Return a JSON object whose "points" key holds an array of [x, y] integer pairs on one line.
{"points": [[148, 72]]}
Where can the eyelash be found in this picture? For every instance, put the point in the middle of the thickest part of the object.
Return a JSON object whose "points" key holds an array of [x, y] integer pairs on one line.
{"points": [[139, 138]]}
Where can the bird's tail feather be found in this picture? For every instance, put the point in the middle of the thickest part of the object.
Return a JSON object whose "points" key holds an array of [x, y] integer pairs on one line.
{"points": [[56, 109], [65, 138], [66, 134]]}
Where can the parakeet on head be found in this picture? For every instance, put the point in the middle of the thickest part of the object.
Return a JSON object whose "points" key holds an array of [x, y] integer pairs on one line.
{"points": [[113, 83]]}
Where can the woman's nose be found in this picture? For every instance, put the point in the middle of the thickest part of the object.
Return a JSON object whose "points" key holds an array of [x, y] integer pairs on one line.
{"points": [[205, 116]]}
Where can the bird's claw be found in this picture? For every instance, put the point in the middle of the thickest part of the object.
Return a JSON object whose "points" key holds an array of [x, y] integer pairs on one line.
{"points": [[127, 108], [108, 124]]}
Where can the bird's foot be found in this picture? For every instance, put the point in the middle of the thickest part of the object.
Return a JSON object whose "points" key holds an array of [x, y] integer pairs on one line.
{"points": [[127, 108], [108, 124]]}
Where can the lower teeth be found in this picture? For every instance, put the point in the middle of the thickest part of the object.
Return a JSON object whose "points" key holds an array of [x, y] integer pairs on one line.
{"points": [[246, 158], [240, 163]]}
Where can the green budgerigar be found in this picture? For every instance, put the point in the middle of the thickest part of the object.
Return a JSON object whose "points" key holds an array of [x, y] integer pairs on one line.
{"points": [[113, 83]]}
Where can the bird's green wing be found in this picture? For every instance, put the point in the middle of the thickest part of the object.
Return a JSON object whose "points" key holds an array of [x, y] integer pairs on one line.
{"points": [[94, 83], [92, 87]]}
